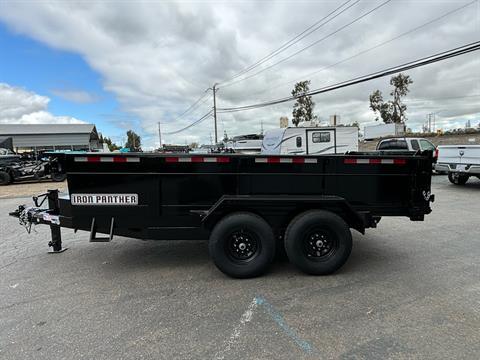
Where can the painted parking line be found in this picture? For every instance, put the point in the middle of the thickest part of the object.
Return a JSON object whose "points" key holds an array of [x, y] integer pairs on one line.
{"points": [[280, 321], [274, 315], [246, 318]]}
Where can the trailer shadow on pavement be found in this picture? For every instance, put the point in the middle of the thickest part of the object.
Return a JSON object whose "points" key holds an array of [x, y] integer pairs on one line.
{"points": [[193, 256]]}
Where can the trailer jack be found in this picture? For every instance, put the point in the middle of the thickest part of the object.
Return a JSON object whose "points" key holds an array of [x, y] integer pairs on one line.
{"points": [[29, 216], [56, 242]]}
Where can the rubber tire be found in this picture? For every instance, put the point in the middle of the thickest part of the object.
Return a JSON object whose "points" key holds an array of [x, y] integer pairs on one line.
{"points": [[295, 233], [219, 236], [5, 178], [58, 177], [459, 179]]}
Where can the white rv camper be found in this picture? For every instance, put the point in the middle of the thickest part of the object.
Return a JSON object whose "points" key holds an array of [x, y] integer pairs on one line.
{"points": [[310, 140]]}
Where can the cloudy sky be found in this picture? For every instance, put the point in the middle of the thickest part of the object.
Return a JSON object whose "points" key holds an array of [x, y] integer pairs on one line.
{"points": [[129, 65]]}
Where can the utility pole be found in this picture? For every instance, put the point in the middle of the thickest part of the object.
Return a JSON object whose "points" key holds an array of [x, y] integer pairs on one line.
{"points": [[215, 110], [159, 135], [214, 89], [431, 117]]}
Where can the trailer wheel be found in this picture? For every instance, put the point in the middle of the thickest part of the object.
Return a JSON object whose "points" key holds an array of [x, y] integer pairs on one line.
{"points": [[242, 245], [318, 242], [5, 178], [457, 179]]}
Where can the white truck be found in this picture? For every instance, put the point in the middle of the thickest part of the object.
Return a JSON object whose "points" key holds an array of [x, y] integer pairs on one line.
{"points": [[245, 144], [460, 161], [383, 130], [310, 140], [407, 144]]}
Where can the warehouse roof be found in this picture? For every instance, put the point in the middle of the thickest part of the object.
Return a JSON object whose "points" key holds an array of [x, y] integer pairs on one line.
{"points": [[24, 129]]}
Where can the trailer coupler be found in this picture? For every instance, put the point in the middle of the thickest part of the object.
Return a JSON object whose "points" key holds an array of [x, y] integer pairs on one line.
{"points": [[28, 216]]}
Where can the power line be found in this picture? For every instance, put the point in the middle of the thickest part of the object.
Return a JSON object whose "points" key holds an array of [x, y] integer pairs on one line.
{"points": [[196, 122], [309, 46], [308, 31], [194, 106], [306, 76], [392, 70], [443, 98], [464, 49]]}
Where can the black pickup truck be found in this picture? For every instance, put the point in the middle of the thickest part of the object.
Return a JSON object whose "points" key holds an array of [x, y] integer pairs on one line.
{"points": [[247, 206]]}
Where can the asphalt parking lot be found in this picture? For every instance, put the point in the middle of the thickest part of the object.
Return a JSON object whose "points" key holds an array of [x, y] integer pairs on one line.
{"points": [[409, 290]]}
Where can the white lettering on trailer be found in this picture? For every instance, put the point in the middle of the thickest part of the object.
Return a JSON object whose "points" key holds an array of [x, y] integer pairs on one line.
{"points": [[104, 199]]}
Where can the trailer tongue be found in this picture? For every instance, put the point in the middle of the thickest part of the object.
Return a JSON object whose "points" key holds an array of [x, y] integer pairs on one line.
{"points": [[246, 205]]}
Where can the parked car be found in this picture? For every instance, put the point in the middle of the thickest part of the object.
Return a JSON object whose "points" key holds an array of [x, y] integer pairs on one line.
{"points": [[459, 161], [409, 144], [7, 155]]}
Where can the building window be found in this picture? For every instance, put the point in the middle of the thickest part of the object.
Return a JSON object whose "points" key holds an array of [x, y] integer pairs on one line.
{"points": [[320, 137], [299, 141]]}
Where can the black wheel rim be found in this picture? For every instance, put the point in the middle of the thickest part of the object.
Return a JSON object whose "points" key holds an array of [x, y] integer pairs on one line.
{"points": [[319, 244], [242, 246]]}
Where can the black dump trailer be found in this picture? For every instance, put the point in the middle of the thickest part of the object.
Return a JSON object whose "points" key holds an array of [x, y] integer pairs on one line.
{"points": [[247, 206]]}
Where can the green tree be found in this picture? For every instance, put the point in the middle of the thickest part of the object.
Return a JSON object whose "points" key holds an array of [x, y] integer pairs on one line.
{"points": [[134, 142], [111, 145], [303, 107], [392, 111]]}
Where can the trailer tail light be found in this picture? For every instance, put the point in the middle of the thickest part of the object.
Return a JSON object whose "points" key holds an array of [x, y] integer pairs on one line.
{"points": [[280, 160], [197, 159], [375, 161], [112, 159]]}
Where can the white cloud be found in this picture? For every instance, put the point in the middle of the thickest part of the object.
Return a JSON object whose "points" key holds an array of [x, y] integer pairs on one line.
{"points": [[76, 96], [21, 106], [158, 57], [16, 102]]}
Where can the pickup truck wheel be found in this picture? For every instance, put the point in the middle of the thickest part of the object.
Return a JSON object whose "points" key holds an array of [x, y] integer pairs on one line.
{"points": [[318, 242], [457, 179], [5, 178], [242, 245]]}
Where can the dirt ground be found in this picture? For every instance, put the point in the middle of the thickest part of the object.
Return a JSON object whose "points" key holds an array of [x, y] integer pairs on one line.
{"points": [[24, 189]]}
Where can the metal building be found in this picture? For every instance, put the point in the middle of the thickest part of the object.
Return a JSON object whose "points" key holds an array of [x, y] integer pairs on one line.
{"points": [[38, 137]]}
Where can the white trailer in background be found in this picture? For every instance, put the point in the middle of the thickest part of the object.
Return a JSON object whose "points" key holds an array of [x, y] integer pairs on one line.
{"points": [[383, 130], [310, 140]]}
